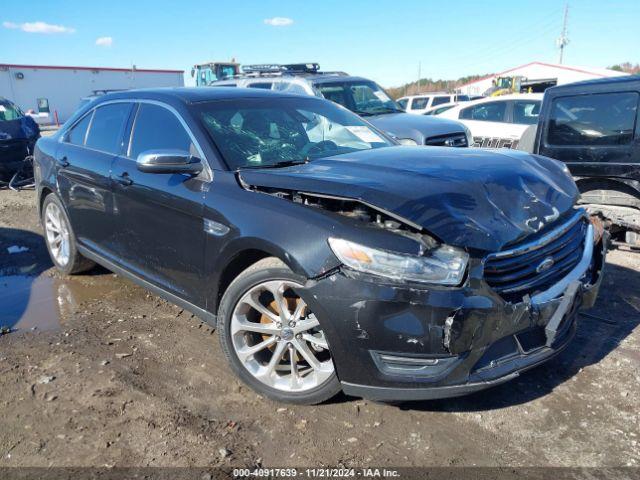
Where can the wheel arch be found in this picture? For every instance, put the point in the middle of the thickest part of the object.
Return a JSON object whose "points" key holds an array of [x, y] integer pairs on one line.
{"points": [[618, 191], [241, 255], [43, 193]]}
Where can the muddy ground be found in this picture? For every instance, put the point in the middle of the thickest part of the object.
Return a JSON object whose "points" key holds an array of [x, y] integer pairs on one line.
{"points": [[100, 372]]}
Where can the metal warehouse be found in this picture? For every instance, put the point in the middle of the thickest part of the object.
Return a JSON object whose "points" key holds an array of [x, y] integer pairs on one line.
{"points": [[57, 91], [557, 74]]}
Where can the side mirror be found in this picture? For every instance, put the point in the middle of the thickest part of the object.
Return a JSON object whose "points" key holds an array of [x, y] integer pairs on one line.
{"points": [[169, 161]]}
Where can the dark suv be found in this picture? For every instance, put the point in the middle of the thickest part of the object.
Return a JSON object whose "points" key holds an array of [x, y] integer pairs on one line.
{"points": [[328, 257], [361, 96], [18, 135], [593, 127]]}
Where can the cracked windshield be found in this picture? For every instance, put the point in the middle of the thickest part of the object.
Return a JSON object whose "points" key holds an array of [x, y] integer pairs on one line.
{"points": [[279, 132]]}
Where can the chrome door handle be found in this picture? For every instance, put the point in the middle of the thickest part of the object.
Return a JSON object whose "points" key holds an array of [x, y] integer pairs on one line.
{"points": [[124, 179]]}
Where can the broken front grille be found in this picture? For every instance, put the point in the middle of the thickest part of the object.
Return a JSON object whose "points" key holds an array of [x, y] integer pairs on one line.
{"points": [[450, 140], [535, 266]]}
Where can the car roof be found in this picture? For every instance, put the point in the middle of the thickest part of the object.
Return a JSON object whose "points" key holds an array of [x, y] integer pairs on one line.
{"points": [[513, 96], [194, 94], [331, 78], [599, 81], [430, 94]]}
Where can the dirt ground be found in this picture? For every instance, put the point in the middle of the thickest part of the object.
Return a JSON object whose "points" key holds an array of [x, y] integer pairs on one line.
{"points": [[100, 372]]}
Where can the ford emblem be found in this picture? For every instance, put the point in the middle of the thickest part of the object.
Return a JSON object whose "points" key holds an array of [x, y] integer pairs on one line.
{"points": [[545, 265]]}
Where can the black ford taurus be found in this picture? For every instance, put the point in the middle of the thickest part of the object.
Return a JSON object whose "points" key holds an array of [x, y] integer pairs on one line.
{"points": [[328, 257]]}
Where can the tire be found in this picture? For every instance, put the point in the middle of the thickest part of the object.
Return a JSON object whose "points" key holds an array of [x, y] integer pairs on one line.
{"points": [[72, 261], [303, 384]]}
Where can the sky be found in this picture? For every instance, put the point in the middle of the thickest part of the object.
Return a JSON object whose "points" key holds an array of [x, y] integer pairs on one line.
{"points": [[387, 41]]}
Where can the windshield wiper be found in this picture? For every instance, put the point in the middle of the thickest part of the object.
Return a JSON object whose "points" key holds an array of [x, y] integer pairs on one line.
{"points": [[390, 110], [286, 163], [362, 113]]}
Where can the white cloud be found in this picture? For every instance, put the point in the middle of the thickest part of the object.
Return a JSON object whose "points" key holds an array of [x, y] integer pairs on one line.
{"points": [[278, 21], [38, 27], [104, 41]]}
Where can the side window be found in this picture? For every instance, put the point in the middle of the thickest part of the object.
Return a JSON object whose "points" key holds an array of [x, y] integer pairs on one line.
{"points": [[485, 112], [78, 133], [599, 119], [157, 128], [403, 103], [263, 85], [419, 103], [462, 98], [440, 100], [106, 129], [526, 112]]}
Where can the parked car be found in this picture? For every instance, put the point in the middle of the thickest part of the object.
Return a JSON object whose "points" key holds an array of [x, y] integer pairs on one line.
{"points": [[593, 127], [328, 257], [420, 104], [497, 122], [18, 135], [360, 95], [440, 108]]}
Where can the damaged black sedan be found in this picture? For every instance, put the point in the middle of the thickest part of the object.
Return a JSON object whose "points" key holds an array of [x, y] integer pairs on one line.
{"points": [[328, 257]]}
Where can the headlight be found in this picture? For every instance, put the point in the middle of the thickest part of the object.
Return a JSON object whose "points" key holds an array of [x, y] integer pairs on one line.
{"points": [[467, 132], [443, 265], [408, 142]]}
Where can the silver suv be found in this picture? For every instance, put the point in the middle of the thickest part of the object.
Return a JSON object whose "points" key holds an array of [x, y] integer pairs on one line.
{"points": [[360, 95]]}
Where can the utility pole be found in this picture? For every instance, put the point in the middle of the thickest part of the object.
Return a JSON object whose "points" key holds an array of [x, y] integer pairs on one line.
{"points": [[563, 40]]}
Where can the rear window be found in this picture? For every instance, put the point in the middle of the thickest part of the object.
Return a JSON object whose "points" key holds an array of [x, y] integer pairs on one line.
{"points": [[105, 133], [525, 112], [598, 119], [440, 100], [263, 85], [485, 112], [419, 103], [78, 133]]}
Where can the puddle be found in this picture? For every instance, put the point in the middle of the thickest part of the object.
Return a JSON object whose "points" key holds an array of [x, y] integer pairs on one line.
{"points": [[45, 302], [27, 302]]}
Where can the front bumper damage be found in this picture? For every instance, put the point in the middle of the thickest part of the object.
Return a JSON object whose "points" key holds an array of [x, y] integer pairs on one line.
{"points": [[395, 342]]}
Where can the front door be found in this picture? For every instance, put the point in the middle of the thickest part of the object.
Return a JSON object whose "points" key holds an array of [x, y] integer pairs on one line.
{"points": [[158, 220], [84, 160], [594, 133]]}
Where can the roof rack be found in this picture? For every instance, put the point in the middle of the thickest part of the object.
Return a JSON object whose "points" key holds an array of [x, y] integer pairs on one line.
{"points": [[276, 68], [290, 69]]}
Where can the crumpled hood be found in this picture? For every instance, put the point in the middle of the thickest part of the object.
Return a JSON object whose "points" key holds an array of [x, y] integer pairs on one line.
{"points": [[471, 198], [417, 127]]}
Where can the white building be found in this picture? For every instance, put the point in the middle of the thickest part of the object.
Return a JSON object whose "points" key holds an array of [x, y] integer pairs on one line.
{"points": [[58, 90], [538, 70]]}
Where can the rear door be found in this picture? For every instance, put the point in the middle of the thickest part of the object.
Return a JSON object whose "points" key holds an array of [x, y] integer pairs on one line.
{"points": [[84, 161], [488, 124], [159, 215]]}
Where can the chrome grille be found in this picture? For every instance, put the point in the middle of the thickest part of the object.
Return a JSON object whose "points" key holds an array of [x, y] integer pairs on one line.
{"points": [[535, 266], [450, 140]]}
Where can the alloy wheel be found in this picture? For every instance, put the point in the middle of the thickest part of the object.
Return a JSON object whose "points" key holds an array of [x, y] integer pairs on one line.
{"points": [[57, 234], [278, 339]]}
